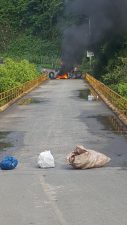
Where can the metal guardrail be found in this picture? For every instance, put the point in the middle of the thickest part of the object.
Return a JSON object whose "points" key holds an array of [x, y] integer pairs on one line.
{"points": [[16, 92], [119, 102]]}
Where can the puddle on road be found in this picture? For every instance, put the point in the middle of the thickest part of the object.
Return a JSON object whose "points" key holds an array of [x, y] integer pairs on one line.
{"points": [[84, 93], [3, 134], [27, 101], [111, 123], [3, 143]]}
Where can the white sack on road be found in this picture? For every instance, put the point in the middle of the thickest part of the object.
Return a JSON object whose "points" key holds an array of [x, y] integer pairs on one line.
{"points": [[46, 160], [83, 158]]}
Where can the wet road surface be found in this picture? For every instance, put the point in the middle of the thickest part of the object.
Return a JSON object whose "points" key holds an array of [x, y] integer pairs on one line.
{"points": [[59, 117]]}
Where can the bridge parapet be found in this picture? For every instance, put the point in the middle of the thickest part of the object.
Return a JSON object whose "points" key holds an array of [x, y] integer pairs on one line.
{"points": [[115, 101], [9, 97]]}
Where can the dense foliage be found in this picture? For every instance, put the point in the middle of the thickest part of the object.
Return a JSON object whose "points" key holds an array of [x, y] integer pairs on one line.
{"points": [[111, 64], [14, 73], [28, 32], [37, 17], [29, 29]]}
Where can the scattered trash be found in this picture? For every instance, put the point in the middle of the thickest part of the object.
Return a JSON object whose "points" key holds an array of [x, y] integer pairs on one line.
{"points": [[91, 97], [46, 160], [8, 163], [83, 158]]}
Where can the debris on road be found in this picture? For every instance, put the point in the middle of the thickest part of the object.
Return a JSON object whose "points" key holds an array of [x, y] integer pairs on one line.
{"points": [[82, 158], [8, 163], [91, 97], [46, 160]]}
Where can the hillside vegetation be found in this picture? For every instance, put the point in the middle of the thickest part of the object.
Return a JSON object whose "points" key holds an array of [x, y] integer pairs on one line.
{"points": [[29, 29], [111, 64], [29, 39]]}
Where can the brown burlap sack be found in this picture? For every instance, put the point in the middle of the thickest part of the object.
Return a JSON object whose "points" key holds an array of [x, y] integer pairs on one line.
{"points": [[83, 158]]}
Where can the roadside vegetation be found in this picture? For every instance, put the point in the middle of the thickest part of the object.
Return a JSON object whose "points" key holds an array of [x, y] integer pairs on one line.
{"points": [[29, 30], [14, 73]]}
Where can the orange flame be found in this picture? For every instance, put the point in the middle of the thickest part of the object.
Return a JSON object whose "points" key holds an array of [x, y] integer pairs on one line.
{"points": [[64, 76]]}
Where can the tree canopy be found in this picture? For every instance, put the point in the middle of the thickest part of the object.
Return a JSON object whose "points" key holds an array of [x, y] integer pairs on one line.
{"points": [[36, 17]]}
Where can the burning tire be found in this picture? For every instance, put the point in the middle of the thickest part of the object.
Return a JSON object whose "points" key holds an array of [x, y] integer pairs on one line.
{"points": [[70, 76], [52, 75]]}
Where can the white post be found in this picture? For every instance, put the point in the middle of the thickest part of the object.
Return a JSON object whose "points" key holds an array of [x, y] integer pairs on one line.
{"points": [[89, 27]]}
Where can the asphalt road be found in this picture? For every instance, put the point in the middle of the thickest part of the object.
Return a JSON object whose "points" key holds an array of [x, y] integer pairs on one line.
{"points": [[59, 120]]}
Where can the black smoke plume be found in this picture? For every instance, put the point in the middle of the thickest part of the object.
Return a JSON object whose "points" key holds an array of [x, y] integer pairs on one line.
{"points": [[88, 23]]}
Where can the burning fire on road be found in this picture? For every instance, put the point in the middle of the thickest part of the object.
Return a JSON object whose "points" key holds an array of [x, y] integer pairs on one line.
{"points": [[63, 73], [63, 76]]}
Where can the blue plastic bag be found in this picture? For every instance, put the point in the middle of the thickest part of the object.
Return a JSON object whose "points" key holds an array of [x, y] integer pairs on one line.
{"points": [[8, 163]]}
